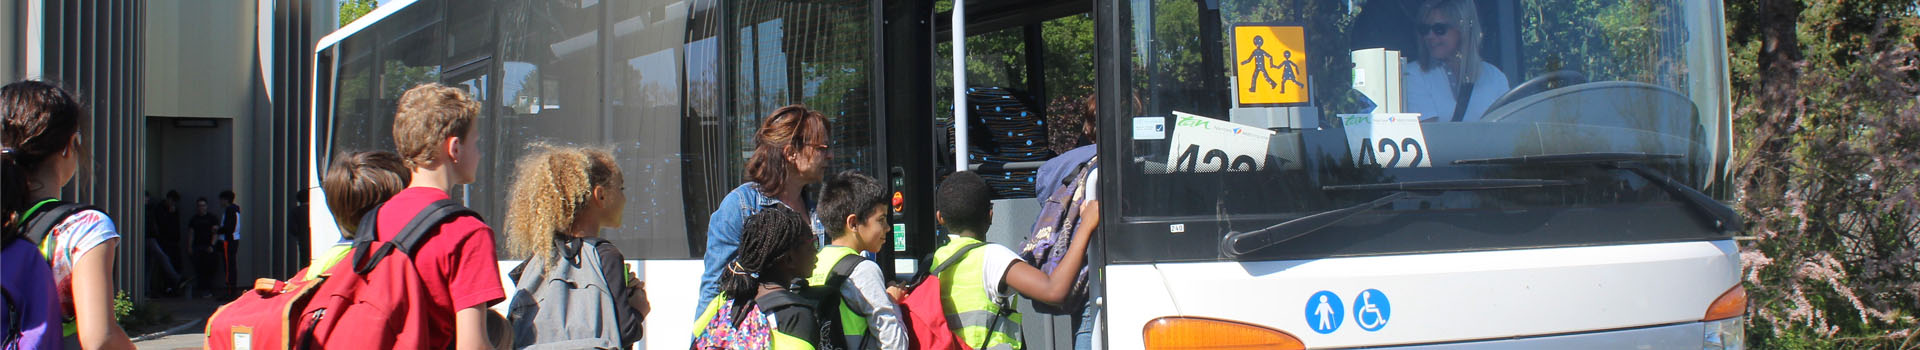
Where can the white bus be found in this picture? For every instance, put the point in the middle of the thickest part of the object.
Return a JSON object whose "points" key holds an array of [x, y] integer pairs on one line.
{"points": [[1576, 201]]}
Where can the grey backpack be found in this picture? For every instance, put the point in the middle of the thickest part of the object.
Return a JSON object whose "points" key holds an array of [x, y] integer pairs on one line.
{"points": [[564, 304]]}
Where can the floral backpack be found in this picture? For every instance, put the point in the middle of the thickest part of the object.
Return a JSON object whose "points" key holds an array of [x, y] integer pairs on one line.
{"points": [[717, 328]]}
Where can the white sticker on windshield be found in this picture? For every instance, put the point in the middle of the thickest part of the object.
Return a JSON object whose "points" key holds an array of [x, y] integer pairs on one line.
{"points": [[1149, 128], [1389, 140], [1202, 145]]}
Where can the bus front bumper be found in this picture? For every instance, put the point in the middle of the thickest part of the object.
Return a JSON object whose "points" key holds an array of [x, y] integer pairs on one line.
{"points": [[1725, 334]]}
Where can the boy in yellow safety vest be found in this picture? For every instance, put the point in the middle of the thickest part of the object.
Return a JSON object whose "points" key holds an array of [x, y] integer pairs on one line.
{"points": [[979, 306], [853, 207]]}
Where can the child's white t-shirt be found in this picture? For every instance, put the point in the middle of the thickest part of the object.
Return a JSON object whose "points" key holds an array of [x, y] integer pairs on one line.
{"points": [[72, 239], [998, 259]]}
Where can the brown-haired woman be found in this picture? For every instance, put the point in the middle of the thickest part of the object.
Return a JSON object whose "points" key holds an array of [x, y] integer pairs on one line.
{"points": [[560, 199], [43, 149], [790, 153]]}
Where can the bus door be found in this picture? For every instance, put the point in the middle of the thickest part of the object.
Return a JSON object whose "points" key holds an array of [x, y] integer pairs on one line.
{"points": [[1029, 71]]}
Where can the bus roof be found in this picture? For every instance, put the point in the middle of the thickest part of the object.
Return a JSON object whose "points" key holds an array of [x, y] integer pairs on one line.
{"points": [[363, 22]]}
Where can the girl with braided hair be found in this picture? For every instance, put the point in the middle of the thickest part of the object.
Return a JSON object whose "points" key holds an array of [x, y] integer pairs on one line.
{"points": [[755, 308], [561, 198]]}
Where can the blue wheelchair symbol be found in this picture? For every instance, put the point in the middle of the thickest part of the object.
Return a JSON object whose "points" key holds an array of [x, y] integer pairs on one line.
{"points": [[1324, 312], [1371, 310]]}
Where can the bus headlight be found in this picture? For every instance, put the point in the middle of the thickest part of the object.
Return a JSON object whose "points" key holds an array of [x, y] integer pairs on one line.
{"points": [[1727, 334], [1725, 321]]}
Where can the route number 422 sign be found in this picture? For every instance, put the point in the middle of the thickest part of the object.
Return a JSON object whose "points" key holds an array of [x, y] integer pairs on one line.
{"points": [[1205, 145], [1388, 140]]}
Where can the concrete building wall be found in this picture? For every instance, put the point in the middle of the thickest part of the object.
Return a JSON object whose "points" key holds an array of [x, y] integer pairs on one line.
{"points": [[202, 57], [92, 49], [9, 41]]}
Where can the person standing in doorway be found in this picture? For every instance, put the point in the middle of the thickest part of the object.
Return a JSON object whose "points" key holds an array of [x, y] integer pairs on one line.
{"points": [[229, 238], [201, 229], [176, 246], [162, 234]]}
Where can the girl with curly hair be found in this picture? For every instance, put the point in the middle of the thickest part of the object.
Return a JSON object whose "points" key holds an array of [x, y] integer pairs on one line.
{"points": [[560, 199]]}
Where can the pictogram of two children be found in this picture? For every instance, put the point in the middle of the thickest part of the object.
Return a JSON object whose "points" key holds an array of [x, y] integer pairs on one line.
{"points": [[1261, 60]]}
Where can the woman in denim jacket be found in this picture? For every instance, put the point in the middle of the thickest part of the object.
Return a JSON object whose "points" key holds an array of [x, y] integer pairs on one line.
{"points": [[790, 152]]}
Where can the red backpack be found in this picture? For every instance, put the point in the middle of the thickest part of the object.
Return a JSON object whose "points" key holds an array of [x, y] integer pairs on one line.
{"points": [[926, 316], [375, 302]]}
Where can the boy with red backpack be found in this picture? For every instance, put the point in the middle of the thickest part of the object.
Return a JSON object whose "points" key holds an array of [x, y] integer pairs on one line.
{"points": [[421, 271], [977, 279]]}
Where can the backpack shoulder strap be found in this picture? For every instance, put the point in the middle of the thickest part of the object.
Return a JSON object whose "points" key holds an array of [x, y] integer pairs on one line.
{"points": [[957, 256], [408, 240], [426, 221], [781, 300], [41, 223], [842, 270], [944, 265]]}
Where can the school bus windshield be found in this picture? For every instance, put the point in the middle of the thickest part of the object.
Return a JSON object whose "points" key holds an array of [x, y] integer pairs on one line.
{"points": [[1454, 125]]}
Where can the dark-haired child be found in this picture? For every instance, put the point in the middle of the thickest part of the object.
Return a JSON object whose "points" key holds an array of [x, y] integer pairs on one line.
{"points": [[755, 309], [977, 284], [853, 207], [41, 151]]}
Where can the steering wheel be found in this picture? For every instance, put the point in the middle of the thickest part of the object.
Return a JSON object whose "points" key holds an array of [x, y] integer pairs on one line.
{"points": [[1543, 82]]}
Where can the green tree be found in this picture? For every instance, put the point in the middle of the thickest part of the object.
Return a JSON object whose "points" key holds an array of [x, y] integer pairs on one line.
{"points": [[1824, 94], [352, 9]]}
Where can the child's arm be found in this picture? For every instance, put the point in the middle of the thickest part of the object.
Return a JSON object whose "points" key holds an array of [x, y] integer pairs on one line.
{"points": [[887, 327], [470, 329], [93, 299], [1052, 289]]}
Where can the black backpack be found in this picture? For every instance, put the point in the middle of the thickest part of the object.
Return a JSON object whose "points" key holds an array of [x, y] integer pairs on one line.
{"points": [[826, 311]]}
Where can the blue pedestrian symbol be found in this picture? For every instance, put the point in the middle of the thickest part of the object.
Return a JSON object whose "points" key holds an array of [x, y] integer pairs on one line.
{"points": [[1371, 310], [1324, 312]]}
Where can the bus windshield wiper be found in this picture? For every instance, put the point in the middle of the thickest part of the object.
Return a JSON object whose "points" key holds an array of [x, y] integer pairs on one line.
{"points": [[1724, 218], [1237, 243], [1572, 158]]}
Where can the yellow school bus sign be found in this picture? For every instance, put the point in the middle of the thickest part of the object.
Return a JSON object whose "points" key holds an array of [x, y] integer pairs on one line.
{"points": [[1270, 65]]}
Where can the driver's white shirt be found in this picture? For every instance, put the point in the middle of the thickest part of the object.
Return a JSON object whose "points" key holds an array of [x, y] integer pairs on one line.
{"points": [[1427, 93]]}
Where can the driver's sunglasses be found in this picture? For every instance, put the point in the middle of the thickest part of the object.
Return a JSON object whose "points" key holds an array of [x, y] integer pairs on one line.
{"points": [[1436, 29]]}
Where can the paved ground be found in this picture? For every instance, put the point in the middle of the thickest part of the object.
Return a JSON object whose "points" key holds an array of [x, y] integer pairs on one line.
{"points": [[177, 341], [186, 330]]}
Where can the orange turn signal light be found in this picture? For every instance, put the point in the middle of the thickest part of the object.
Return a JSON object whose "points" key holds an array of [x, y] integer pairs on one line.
{"points": [[1731, 304], [1170, 333]]}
